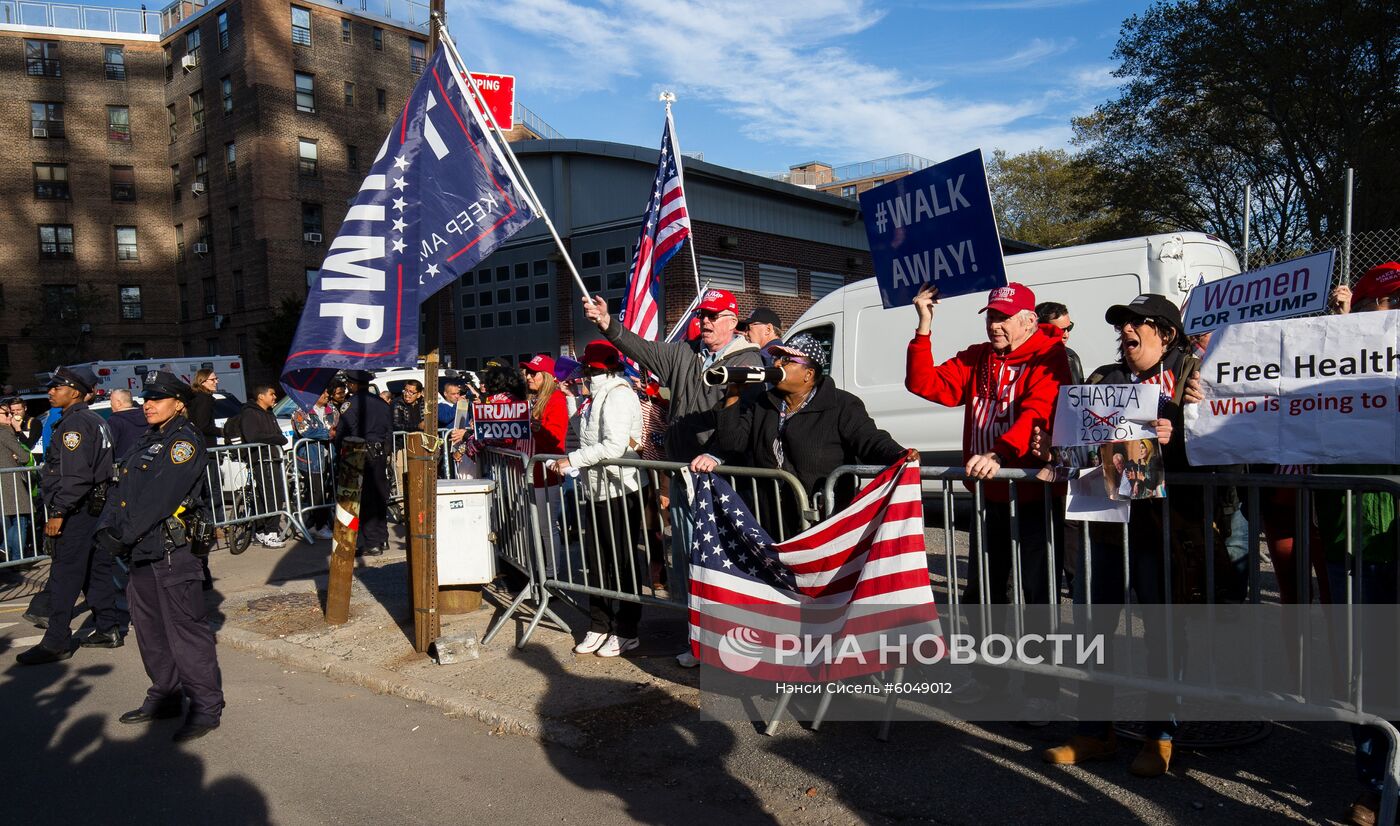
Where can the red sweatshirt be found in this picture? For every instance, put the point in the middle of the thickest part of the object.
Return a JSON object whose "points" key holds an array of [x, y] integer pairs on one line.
{"points": [[1003, 397], [553, 427]]}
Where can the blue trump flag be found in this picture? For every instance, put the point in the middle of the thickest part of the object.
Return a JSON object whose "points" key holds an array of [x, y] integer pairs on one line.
{"points": [[934, 227], [438, 199]]}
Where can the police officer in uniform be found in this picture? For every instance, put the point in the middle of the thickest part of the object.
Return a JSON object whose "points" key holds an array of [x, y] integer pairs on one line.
{"points": [[369, 417], [77, 470], [158, 521]]}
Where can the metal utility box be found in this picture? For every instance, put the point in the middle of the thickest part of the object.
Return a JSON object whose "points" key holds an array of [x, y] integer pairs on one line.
{"points": [[465, 555]]}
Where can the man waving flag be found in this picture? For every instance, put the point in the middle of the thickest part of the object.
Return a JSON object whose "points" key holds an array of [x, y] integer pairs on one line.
{"points": [[438, 199], [665, 227]]}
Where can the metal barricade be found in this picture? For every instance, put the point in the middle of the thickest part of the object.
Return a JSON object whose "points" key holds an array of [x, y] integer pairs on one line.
{"points": [[22, 517], [602, 533], [248, 486]]}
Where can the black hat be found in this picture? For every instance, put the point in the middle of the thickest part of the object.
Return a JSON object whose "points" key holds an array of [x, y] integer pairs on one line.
{"points": [[79, 378], [761, 315], [1148, 305], [162, 385], [361, 376]]}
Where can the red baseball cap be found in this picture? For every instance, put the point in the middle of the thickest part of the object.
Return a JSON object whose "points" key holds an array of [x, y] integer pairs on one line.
{"points": [[1011, 299], [692, 330], [1378, 281], [601, 355], [539, 364], [719, 301]]}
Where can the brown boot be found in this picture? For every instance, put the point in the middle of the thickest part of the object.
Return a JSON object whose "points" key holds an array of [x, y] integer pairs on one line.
{"points": [[1082, 748], [1154, 759]]}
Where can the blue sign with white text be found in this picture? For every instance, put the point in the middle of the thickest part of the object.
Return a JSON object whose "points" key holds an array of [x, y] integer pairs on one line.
{"points": [[934, 227]]}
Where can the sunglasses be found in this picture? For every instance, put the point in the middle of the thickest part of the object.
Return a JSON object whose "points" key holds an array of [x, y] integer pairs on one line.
{"points": [[1374, 303], [1136, 322], [1069, 328], [711, 314]]}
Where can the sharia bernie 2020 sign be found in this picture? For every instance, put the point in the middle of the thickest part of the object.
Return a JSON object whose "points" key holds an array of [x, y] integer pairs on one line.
{"points": [[1096, 414], [1309, 391]]}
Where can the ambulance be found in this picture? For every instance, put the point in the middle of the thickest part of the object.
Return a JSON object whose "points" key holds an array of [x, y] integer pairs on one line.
{"points": [[130, 374]]}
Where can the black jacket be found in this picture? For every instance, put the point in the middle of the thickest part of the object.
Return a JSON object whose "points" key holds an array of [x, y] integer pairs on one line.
{"points": [[833, 429], [253, 425], [166, 466], [127, 427], [77, 459], [407, 417], [201, 410]]}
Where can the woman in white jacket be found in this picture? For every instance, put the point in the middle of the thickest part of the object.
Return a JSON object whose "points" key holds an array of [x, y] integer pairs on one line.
{"points": [[610, 427]]}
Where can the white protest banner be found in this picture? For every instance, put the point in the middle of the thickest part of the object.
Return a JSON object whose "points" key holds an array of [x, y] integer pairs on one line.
{"points": [[502, 420], [1095, 414], [1283, 290], [1309, 391]]}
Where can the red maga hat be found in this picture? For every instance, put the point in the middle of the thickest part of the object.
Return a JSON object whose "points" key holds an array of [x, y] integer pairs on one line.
{"points": [[719, 301], [1011, 299], [539, 364], [1379, 281], [601, 355]]}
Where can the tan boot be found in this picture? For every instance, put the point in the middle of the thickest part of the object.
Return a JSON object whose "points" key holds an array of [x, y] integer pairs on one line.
{"points": [[1154, 759], [1082, 748]]}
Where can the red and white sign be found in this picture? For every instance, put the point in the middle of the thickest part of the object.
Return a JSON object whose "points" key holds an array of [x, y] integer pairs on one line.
{"points": [[498, 92]]}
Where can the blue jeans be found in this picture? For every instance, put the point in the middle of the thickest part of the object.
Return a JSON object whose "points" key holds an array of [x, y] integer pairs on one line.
{"points": [[16, 536], [1376, 587]]}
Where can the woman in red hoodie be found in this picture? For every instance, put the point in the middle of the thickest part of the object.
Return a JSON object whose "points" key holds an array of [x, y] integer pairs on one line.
{"points": [[1007, 386]]}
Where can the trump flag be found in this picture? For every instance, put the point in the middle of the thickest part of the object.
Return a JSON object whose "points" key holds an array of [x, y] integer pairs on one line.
{"points": [[438, 198]]}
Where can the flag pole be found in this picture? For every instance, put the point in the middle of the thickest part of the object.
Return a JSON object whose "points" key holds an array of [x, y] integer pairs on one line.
{"points": [[669, 98], [467, 84]]}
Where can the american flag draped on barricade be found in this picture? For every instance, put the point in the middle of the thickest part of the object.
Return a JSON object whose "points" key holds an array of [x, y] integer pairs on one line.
{"points": [[665, 226], [858, 580], [439, 197]]}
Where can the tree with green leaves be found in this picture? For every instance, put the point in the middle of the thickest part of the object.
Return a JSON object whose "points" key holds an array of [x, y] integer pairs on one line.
{"points": [[1043, 198]]}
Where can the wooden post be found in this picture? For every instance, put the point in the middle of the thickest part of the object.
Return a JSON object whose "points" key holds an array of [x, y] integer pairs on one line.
{"points": [[420, 509], [349, 480]]}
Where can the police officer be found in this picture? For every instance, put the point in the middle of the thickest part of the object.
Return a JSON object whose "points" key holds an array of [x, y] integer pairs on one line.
{"points": [[368, 417], [158, 520], [77, 469]]}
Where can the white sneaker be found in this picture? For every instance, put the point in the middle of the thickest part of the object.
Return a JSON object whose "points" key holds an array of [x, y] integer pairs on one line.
{"points": [[592, 641], [617, 646], [1037, 712], [685, 659], [271, 540]]}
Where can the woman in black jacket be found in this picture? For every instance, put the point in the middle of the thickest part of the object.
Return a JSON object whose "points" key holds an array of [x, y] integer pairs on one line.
{"points": [[201, 407], [805, 425]]}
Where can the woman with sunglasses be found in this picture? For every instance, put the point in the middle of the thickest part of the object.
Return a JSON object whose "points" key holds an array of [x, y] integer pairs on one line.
{"points": [[201, 409], [805, 425]]}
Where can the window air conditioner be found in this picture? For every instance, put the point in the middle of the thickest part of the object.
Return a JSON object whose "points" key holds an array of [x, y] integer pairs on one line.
{"points": [[188, 62], [39, 132], [201, 249], [197, 188], [209, 309], [311, 237]]}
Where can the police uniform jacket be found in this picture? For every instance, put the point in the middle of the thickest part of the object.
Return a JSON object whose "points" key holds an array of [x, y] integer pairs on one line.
{"points": [[368, 417], [77, 459], [166, 466]]}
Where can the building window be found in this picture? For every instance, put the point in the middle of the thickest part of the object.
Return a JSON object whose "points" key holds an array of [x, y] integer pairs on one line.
{"points": [[503, 318], [185, 309], [378, 39], [616, 255], [542, 292], [345, 36], [175, 182], [541, 268], [310, 218], [777, 280], [46, 120], [522, 270], [55, 241], [197, 109], [381, 100], [60, 303], [201, 172], [133, 350], [51, 181], [41, 58], [126, 244], [180, 256], [124, 184], [352, 157], [226, 93], [824, 283], [488, 321], [483, 299], [503, 296], [235, 229], [522, 317], [542, 315], [202, 233], [192, 45], [170, 116], [114, 62], [417, 56], [211, 297], [130, 299], [468, 301], [522, 293], [848, 191], [301, 26], [484, 276], [722, 273], [591, 259], [223, 30], [617, 281], [169, 64], [231, 160], [239, 299], [349, 93], [468, 322], [306, 158], [118, 124], [306, 92]]}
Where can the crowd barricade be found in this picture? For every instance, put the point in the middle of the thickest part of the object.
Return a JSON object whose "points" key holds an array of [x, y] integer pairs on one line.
{"points": [[604, 533], [250, 483], [22, 517]]}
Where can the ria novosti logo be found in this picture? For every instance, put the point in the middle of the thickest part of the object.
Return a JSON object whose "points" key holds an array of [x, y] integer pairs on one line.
{"points": [[740, 649]]}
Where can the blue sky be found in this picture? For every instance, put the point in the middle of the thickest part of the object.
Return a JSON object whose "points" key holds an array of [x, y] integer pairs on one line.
{"points": [[764, 85]]}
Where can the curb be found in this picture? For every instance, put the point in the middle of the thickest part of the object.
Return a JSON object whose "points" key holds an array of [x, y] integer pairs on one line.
{"points": [[383, 681]]}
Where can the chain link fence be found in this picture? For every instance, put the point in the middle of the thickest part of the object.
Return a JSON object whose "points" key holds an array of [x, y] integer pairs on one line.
{"points": [[1367, 250]]}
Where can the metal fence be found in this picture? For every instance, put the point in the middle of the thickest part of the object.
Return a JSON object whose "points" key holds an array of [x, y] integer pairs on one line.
{"points": [[22, 516], [1366, 250]]}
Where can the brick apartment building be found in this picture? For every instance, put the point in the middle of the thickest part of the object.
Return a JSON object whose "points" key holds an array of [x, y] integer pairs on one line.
{"points": [[849, 180]]}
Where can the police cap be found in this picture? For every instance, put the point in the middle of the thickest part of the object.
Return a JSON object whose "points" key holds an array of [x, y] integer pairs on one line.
{"points": [[361, 376], [162, 385], [79, 378]]}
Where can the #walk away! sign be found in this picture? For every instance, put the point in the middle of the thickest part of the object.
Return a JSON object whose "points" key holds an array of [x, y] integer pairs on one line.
{"points": [[1283, 290], [1315, 391]]}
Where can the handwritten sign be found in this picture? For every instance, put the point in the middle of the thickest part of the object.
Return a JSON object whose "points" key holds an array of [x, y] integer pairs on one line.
{"points": [[502, 420], [1096, 414], [1290, 288], [936, 227]]}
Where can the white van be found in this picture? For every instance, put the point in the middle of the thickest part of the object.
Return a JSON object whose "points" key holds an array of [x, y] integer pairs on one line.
{"points": [[868, 342]]}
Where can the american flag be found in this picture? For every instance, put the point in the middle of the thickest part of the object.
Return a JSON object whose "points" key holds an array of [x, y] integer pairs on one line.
{"points": [[665, 227], [858, 579]]}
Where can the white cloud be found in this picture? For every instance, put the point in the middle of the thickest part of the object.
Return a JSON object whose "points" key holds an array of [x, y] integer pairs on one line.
{"points": [[1037, 50], [779, 69]]}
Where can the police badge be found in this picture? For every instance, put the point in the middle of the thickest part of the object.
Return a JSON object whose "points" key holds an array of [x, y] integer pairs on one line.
{"points": [[72, 439], [181, 452]]}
